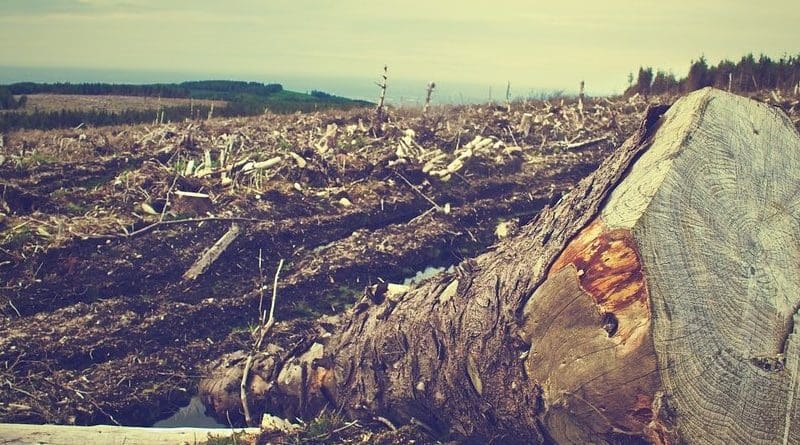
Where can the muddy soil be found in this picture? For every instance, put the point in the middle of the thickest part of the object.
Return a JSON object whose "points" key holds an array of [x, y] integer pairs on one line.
{"points": [[98, 227]]}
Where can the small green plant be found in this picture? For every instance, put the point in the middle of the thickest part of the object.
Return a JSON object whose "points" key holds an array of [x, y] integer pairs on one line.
{"points": [[76, 209], [284, 145], [355, 144], [301, 309], [234, 439], [320, 430], [179, 165], [251, 328], [15, 238], [34, 158]]}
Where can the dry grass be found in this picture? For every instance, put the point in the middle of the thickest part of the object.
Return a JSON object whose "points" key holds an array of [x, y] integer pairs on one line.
{"points": [[113, 104]]}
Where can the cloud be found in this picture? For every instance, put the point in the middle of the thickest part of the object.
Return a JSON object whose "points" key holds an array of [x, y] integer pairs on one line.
{"points": [[537, 43]]}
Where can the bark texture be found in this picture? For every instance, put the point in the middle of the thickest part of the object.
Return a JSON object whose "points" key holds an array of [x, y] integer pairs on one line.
{"points": [[654, 303], [451, 353]]}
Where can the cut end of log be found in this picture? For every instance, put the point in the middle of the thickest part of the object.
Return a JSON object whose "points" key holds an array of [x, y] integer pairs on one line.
{"points": [[680, 296], [720, 243]]}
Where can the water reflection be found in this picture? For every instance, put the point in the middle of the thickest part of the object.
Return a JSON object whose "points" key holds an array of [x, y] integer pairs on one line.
{"points": [[192, 415], [426, 273]]}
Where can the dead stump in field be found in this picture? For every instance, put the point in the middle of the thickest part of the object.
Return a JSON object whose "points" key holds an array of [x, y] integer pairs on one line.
{"points": [[655, 302]]}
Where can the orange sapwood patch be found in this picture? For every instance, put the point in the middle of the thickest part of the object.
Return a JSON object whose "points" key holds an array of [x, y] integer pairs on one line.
{"points": [[608, 266]]}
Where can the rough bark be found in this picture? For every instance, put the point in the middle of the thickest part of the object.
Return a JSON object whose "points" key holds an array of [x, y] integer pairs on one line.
{"points": [[655, 302]]}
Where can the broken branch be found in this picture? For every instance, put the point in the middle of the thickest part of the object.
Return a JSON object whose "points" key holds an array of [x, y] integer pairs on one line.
{"points": [[263, 328], [211, 255]]}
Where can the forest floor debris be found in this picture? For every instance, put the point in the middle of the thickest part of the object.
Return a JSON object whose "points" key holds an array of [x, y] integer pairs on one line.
{"points": [[99, 226]]}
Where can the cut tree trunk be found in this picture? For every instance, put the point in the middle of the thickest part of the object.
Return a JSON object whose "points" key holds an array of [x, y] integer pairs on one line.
{"points": [[654, 303]]}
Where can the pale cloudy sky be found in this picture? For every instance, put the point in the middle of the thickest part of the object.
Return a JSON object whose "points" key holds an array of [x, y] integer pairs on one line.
{"points": [[532, 44]]}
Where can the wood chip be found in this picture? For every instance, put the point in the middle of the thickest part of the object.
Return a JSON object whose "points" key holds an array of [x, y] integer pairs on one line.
{"points": [[474, 377], [189, 168], [448, 293], [272, 424], [252, 166], [190, 194], [147, 208], [298, 159]]}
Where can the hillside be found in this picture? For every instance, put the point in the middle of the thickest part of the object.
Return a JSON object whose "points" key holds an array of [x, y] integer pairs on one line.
{"points": [[48, 102], [60, 105]]}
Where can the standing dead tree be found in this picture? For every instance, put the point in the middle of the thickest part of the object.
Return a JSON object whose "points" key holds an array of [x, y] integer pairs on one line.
{"points": [[380, 110], [508, 97], [428, 93], [655, 303]]}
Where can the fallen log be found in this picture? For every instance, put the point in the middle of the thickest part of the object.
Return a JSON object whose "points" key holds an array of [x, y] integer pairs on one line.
{"points": [[209, 256], [654, 303], [22, 434]]}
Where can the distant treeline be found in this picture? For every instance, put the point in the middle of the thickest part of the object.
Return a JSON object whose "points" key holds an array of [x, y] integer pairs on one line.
{"points": [[100, 89], [46, 120], [204, 89], [8, 101], [747, 75], [228, 89], [243, 99]]}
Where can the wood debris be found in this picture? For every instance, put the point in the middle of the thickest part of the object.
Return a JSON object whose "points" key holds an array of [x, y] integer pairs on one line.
{"points": [[212, 254]]}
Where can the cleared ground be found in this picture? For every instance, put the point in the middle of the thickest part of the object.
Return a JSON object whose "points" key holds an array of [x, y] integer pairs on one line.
{"points": [[111, 104], [98, 226]]}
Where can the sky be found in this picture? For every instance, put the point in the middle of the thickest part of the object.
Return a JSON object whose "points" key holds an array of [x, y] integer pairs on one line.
{"points": [[467, 47]]}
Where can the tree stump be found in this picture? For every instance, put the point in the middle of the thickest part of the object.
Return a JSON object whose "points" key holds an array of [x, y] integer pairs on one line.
{"points": [[655, 303]]}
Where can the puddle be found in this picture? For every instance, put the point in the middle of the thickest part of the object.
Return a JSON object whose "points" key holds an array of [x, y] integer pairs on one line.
{"points": [[191, 416], [426, 273]]}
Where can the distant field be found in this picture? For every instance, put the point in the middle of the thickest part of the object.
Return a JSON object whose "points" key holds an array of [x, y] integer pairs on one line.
{"points": [[63, 105], [111, 104]]}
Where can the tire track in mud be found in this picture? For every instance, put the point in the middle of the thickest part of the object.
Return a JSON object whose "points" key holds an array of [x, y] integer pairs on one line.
{"points": [[363, 254], [116, 333], [97, 342], [89, 270]]}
